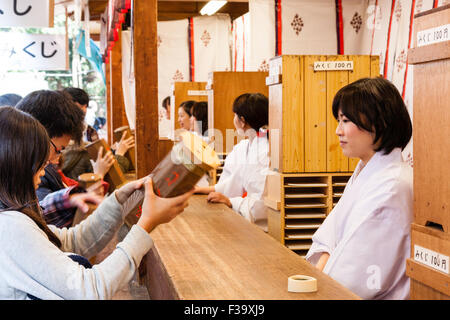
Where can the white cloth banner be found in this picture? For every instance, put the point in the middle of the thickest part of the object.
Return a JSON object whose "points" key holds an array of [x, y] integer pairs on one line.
{"points": [[308, 27], [212, 42], [241, 43], [128, 80], [262, 34], [173, 64]]}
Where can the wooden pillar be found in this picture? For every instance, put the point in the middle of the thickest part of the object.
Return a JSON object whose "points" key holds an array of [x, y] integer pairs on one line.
{"points": [[146, 76], [108, 102], [118, 115]]}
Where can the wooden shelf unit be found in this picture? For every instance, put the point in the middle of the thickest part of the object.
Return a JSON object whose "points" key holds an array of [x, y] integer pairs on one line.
{"points": [[301, 122], [430, 231], [301, 203]]}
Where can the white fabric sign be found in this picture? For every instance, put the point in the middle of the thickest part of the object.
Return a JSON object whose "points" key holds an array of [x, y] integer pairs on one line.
{"points": [[309, 27], [241, 43], [24, 13], [23, 51], [128, 79], [262, 34], [212, 41], [173, 65]]}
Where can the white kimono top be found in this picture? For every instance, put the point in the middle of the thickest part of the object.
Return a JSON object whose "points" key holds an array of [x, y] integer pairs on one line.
{"points": [[243, 179], [368, 232]]}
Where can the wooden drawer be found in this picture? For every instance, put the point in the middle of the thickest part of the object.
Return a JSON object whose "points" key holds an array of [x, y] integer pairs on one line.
{"points": [[429, 262]]}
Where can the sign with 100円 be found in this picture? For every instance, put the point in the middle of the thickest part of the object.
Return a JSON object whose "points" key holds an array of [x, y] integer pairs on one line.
{"points": [[26, 13], [23, 51]]}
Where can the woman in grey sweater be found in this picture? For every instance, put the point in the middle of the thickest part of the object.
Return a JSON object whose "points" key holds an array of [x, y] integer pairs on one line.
{"points": [[34, 257]]}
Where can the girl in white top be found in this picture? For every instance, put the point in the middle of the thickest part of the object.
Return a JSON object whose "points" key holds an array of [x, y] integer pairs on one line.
{"points": [[365, 241], [33, 259], [241, 184]]}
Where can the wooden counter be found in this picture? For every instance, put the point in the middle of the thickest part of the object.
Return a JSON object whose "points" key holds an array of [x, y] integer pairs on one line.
{"points": [[211, 252]]}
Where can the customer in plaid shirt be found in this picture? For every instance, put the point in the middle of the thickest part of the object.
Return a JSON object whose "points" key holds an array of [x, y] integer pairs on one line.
{"points": [[63, 121]]}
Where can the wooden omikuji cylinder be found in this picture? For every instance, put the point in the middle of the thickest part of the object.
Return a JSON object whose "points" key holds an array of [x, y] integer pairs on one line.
{"points": [[131, 153], [177, 173], [114, 176]]}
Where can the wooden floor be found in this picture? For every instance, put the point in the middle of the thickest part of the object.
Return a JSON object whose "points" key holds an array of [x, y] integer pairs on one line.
{"points": [[134, 291]]}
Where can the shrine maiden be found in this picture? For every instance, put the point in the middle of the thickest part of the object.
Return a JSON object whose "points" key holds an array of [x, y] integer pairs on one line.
{"points": [[241, 184], [365, 240]]}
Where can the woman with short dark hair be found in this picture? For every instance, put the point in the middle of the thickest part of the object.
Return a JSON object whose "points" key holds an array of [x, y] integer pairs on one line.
{"points": [[364, 242], [241, 184], [184, 114]]}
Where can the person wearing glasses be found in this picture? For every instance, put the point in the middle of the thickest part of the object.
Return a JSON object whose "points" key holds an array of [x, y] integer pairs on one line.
{"points": [[63, 121]]}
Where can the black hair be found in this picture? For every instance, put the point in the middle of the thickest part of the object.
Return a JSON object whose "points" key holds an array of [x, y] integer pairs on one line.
{"points": [[254, 108], [187, 106], [9, 99], [24, 151], [56, 112], [376, 106], [166, 102], [78, 95], [200, 112]]}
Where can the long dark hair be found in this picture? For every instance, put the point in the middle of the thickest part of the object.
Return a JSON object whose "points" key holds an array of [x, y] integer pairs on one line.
{"points": [[24, 150], [200, 112]]}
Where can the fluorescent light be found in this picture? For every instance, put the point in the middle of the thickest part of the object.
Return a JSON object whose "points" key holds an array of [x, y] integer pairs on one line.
{"points": [[211, 7]]}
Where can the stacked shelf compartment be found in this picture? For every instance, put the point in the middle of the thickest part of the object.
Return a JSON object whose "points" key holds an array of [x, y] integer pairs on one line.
{"points": [[306, 200], [338, 185], [305, 207], [215, 174]]}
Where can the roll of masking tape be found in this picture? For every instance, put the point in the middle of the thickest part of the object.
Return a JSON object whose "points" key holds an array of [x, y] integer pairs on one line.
{"points": [[301, 283]]}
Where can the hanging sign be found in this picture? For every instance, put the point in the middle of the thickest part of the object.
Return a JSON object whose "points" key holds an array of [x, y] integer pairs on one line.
{"points": [[197, 92], [333, 66], [23, 51], [26, 13], [431, 258], [433, 35]]}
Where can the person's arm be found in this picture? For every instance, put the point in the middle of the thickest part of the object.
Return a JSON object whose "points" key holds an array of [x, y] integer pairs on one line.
{"points": [[322, 261], [204, 190], [59, 207]]}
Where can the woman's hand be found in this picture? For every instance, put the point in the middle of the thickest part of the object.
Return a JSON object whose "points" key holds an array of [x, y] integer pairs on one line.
{"points": [[216, 197], [124, 144], [125, 192], [103, 163], [156, 210], [81, 200]]}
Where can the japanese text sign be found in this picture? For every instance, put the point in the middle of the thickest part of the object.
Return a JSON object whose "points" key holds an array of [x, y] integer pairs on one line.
{"points": [[26, 13]]}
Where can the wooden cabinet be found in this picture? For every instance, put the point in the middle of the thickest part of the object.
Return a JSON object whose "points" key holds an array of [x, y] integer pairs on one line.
{"points": [[301, 123], [184, 91], [223, 88], [430, 236]]}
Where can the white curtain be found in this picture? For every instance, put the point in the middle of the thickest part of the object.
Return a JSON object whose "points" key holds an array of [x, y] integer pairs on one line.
{"points": [[212, 43], [128, 80]]}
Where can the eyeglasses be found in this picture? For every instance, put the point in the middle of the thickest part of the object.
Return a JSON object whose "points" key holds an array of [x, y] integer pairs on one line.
{"points": [[56, 149]]}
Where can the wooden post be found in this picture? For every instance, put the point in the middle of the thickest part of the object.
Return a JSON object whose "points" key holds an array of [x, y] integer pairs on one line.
{"points": [[108, 102], [118, 115], [146, 76]]}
